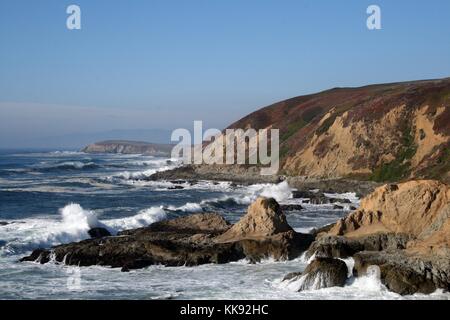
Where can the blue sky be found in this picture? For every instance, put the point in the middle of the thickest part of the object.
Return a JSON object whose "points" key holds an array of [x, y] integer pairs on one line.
{"points": [[160, 64]]}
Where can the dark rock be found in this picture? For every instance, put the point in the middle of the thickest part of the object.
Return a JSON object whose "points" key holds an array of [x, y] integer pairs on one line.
{"points": [[338, 207], [291, 207], [406, 274], [98, 233], [302, 194], [39, 255], [313, 197], [342, 247], [334, 200], [283, 246], [189, 240], [321, 273], [3, 223], [175, 188], [353, 208], [178, 181]]}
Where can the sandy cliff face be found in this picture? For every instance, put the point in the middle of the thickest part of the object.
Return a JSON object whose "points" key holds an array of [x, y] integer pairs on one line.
{"points": [[420, 209], [401, 231], [386, 132]]}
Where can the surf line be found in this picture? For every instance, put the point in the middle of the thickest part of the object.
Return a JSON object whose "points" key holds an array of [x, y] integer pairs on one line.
{"points": [[193, 310]]}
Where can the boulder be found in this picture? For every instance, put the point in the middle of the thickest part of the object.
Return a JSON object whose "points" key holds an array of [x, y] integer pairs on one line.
{"points": [[403, 273], [313, 197], [98, 233], [321, 273]]}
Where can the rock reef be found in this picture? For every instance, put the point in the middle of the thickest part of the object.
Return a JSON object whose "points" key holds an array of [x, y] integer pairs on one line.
{"points": [[191, 240], [402, 230]]}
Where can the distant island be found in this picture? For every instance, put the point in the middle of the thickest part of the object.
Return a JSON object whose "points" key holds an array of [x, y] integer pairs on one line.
{"points": [[129, 147]]}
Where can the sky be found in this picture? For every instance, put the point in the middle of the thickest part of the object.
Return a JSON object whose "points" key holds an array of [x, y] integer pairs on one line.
{"points": [[147, 65]]}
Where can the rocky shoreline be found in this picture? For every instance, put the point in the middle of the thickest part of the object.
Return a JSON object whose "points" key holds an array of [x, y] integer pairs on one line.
{"points": [[246, 175], [192, 240], [401, 232]]}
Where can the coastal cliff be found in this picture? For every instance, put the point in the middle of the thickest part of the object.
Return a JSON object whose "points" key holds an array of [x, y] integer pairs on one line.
{"points": [[129, 147], [380, 133], [384, 132]]}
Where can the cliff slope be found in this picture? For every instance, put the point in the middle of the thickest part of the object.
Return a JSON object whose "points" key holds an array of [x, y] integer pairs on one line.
{"points": [[384, 132]]}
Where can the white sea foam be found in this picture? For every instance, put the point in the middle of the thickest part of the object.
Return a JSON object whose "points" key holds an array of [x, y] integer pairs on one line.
{"points": [[279, 192], [73, 225], [143, 218], [188, 207], [157, 165]]}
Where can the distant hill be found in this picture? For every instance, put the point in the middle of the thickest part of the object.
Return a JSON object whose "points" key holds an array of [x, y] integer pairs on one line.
{"points": [[383, 132], [129, 147]]}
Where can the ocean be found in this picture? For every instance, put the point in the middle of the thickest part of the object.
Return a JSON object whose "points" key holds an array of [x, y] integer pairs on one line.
{"points": [[53, 197]]}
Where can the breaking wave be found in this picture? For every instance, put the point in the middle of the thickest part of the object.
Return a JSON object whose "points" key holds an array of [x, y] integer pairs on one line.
{"points": [[73, 226], [68, 165]]}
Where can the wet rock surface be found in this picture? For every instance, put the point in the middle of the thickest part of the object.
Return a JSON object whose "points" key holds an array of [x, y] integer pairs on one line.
{"points": [[321, 273], [98, 233], [403, 273], [191, 240], [402, 229]]}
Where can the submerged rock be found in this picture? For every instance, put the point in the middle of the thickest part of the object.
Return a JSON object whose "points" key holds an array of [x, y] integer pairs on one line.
{"points": [[321, 273], [190, 240]]}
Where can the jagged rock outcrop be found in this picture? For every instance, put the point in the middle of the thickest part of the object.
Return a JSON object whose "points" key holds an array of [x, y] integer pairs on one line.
{"points": [[401, 228], [264, 232], [420, 209], [264, 218], [190, 240], [320, 273], [129, 147]]}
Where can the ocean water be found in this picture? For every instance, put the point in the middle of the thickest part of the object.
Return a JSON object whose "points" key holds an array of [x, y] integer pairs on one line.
{"points": [[50, 198]]}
